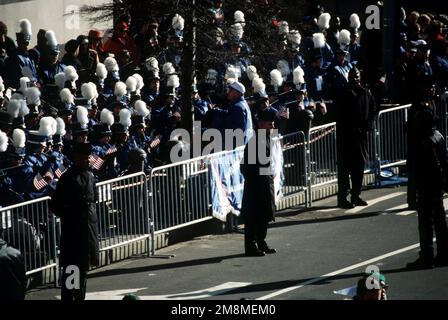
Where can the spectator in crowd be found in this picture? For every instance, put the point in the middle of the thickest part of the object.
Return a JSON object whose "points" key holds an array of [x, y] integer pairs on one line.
{"points": [[413, 31], [74, 202], [258, 206], [36, 52], [72, 54], [217, 12], [88, 60], [12, 273], [354, 117], [6, 43], [120, 41], [423, 21], [95, 43], [148, 39], [333, 32]]}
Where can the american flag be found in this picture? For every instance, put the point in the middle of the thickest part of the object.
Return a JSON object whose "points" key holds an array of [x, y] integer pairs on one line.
{"points": [[60, 171], [39, 182], [96, 162], [154, 143], [111, 150]]}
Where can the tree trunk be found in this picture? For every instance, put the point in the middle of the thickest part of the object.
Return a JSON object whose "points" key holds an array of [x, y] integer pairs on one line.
{"points": [[188, 69]]}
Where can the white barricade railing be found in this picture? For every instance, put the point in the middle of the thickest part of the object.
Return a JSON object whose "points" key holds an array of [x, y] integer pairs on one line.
{"points": [[391, 143], [30, 228], [123, 212], [180, 194], [322, 149]]}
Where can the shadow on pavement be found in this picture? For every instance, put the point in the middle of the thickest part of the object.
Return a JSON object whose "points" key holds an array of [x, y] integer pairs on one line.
{"points": [[155, 267], [322, 220], [279, 285]]}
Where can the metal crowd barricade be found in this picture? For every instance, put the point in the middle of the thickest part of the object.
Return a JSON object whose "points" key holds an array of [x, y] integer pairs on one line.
{"points": [[123, 212], [442, 115], [322, 156], [391, 142], [30, 228], [180, 194], [295, 164]]}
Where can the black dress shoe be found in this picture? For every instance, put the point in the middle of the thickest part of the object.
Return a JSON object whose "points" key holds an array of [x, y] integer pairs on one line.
{"points": [[357, 201], [344, 204], [266, 249], [420, 264], [255, 252]]}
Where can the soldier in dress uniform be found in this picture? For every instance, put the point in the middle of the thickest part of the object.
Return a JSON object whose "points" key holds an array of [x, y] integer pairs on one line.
{"points": [[104, 164], [50, 65], [163, 109], [59, 161], [16, 64], [120, 139], [292, 52], [201, 107], [36, 165], [142, 138], [355, 49], [79, 131], [152, 86], [336, 78], [11, 164], [317, 44]]}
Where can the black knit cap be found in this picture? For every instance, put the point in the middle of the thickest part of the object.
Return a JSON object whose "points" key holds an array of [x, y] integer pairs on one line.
{"points": [[84, 149]]}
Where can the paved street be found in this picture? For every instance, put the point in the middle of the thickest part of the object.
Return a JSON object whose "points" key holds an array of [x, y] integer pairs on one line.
{"points": [[319, 251]]}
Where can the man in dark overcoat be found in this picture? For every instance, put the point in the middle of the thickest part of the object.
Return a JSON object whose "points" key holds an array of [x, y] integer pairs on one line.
{"points": [[431, 176], [258, 206], [74, 202], [355, 115]]}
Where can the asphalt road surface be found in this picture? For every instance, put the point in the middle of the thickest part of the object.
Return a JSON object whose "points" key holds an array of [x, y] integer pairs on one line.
{"points": [[320, 251]]}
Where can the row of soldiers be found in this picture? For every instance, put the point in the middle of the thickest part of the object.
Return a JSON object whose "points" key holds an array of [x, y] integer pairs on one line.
{"points": [[118, 112]]}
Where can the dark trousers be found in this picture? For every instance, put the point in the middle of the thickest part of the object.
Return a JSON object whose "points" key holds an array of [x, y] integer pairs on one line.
{"points": [[411, 190], [254, 233], [431, 217], [74, 294], [349, 167]]}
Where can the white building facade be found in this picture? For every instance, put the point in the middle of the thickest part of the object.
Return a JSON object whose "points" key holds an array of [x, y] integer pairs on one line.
{"points": [[61, 16]]}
